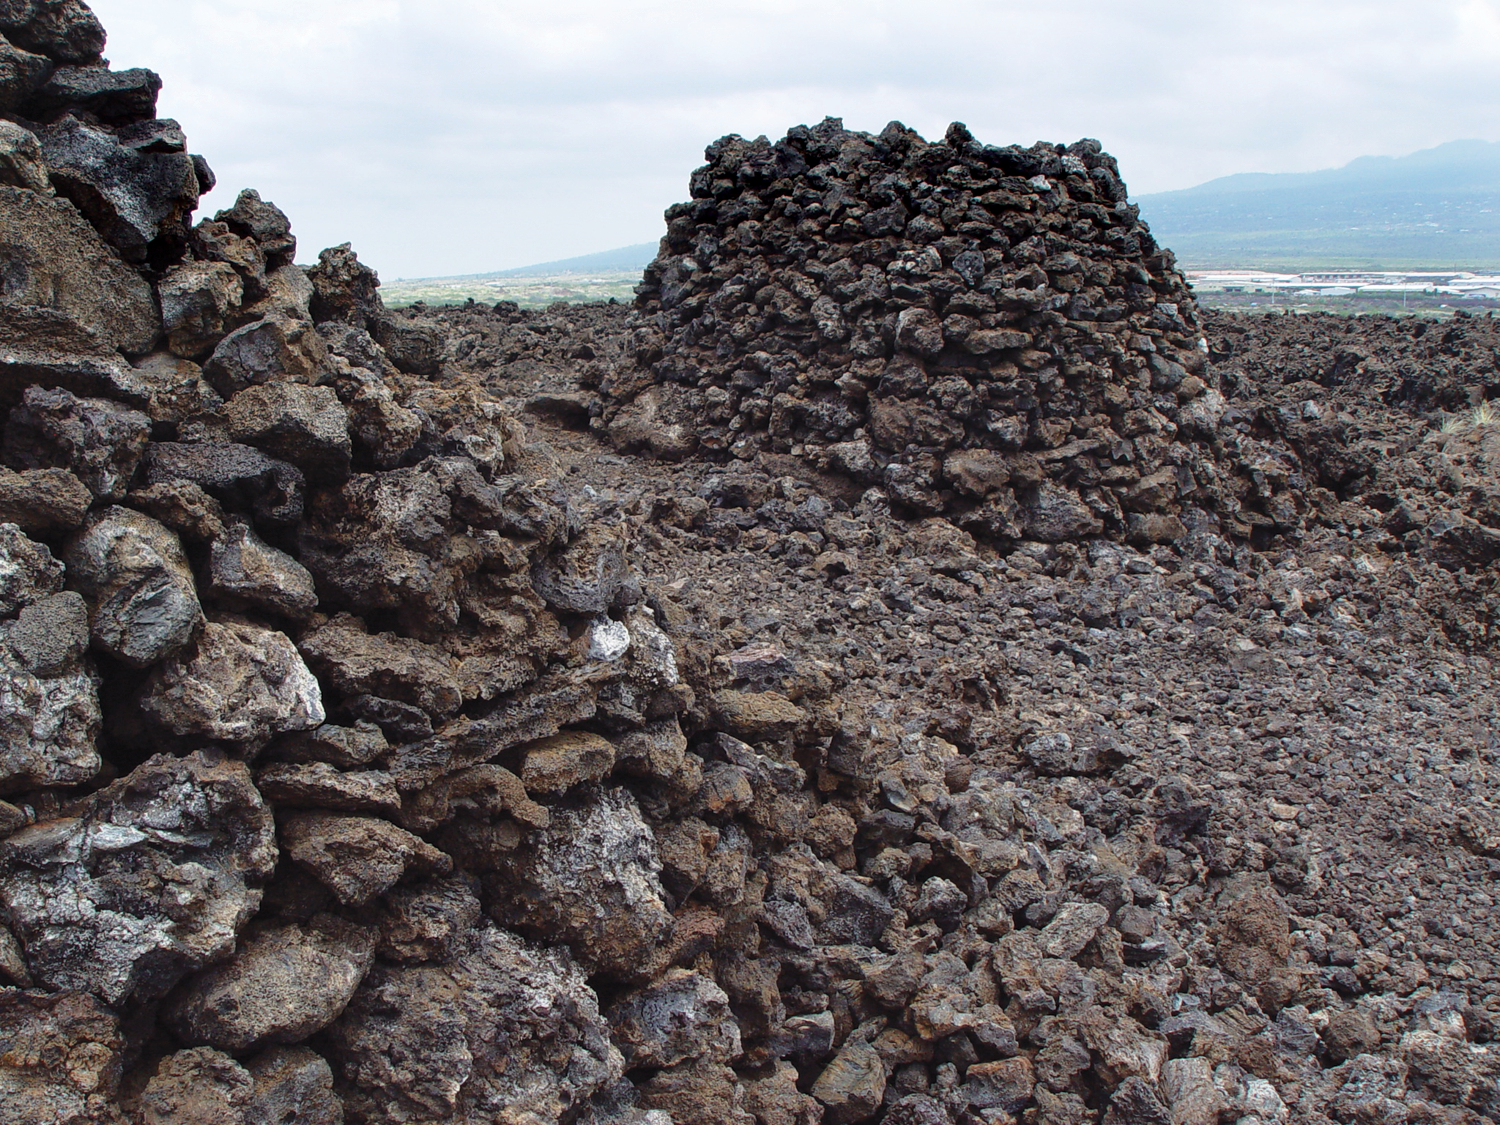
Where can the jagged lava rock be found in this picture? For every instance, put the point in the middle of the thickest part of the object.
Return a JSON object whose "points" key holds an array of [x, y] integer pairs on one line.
{"points": [[100, 441], [284, 983], [590, 878], [242, 683], [60, 1057], [481, 1038], [143, 604], [77, 890], [49, 701]]}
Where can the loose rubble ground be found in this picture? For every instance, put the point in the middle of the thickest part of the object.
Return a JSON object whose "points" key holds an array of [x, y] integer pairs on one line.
{"points": [[908, 668]]}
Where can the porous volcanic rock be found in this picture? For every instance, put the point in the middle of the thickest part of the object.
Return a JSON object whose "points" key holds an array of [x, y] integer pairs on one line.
{"points": [[989, 332], [504, 1032], [77, 890]]}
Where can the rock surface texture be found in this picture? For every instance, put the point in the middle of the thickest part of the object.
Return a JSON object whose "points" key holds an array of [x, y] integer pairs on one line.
{"points": [[911, 667]]}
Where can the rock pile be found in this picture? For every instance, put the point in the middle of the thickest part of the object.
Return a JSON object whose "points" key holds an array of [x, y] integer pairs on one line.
{"points": [[359, 763], [990, 333]]}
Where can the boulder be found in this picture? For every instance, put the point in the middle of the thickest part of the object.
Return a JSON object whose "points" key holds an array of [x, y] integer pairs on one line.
{"points": [[344, 289], [590, 879], [390, 666], [181, 505], [852, 1085], [239, 476], [57, 262], [683, 1015], [167, 387], [245, 572], [21, 163], [99, 441], [414, 346], [587, 575], [63, 30], [292, 1085], [285, 982], [60, 1058], [318, 785], [556, 764], [306, 426], [198, 303], [43, 502], [49, 698], [277, 349], [75, 890], [199, 1086], [701, 1092], [344, 747], [113, 97], [505, 1033], [241, 683], [28, 572], [427, 922], [139, 201], [357, 857], [264, 223], [143, 606]]}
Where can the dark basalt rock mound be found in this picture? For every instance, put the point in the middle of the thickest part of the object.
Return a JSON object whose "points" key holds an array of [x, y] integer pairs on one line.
{"points": [[990, 333]]}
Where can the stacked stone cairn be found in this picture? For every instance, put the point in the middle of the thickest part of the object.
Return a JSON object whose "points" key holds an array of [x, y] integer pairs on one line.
{"points": [[989, 333], [348, 771]]}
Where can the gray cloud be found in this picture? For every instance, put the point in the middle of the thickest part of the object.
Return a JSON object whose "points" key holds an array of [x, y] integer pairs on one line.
{"points": [[447, 136]]}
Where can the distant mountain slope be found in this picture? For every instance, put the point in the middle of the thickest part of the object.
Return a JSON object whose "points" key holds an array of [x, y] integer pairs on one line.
{"points": [[1437, 207], [632, 258]]}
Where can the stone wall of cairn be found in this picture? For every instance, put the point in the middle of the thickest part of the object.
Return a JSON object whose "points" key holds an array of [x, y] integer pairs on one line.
{"points": [[989, 333]]}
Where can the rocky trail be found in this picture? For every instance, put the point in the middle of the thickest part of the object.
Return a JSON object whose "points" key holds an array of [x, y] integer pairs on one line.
{"points": [[910, 666]]}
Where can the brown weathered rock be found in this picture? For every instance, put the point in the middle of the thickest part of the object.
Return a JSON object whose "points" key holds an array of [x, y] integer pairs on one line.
{"points": [[263, 222], [589, 879], [275, 350], [143, 605], [556, 764], [284, 983], [60, 1058], [99, 441], [184, 507], [427, 922], [344, 747], [318, 785], [681, 1016], [385, 664], [292, 1085], [199, 1086], [755, 716], [71, 886], [483, 1037], [246, 572], [43, 501], [70, 272], [852, 1085], [198, 303], [357, 857], [306, 426], [167, 387], [242, 683]]}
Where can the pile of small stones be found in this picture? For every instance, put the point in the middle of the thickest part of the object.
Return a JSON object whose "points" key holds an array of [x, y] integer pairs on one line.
{"points": [[989, 333]]}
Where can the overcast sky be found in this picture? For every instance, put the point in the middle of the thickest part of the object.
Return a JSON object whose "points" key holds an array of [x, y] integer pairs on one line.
{"points": [[460, 136]]}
